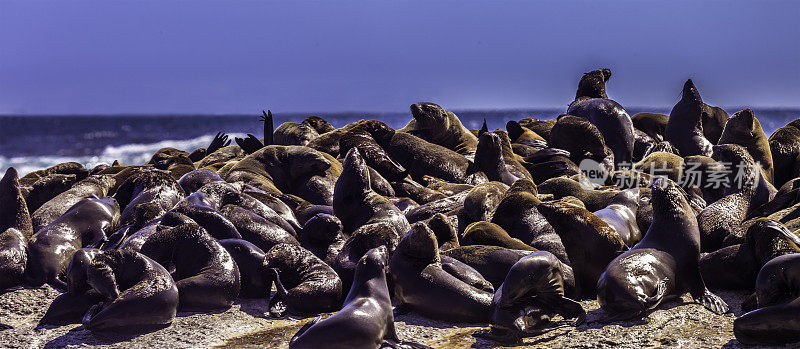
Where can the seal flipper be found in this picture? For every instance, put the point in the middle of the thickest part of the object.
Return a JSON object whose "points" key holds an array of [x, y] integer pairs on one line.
{"points": [[697, 288], [250, 145], [219, 141], [277, 304], [268, 128], [483, 129], [572, 311], [750, 303], [503, 336], [653, 301], [5, 327], [304, 329]]}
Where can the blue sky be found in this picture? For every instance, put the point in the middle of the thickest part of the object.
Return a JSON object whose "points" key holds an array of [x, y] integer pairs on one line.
{"points": [[97, 57]]}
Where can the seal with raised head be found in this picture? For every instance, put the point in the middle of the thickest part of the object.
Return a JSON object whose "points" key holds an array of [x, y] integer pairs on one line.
{"points": [[13, 209], [84, 225], [744, 129], [206, 275], [775, 320], [438, 126], [663, 264], [592, 103], [356, 204], [366, 319], [784, 145], [496, 159], [422, 285], [590, 242], [685, 125], [137, 291], [518, 215]]}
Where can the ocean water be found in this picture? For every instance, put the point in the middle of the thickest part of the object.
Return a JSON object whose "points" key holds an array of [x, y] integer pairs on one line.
{"points": [[31, 142]]}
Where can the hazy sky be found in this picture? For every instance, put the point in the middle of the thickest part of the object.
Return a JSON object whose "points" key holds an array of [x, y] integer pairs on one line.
{"points": [[63, 57]]}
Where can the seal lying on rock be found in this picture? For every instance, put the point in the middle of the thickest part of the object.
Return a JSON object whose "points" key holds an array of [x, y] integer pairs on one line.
{"points": [[663, 264], [84, 225], [438, 126], [775, 321], [532, 292], [304, 283], [94, 186], [137, 291], [422, 285], [205, 273], [366, 319]]}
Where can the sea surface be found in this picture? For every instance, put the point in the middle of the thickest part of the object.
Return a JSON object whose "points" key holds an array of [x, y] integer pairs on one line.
{"points": [[32, 142]]}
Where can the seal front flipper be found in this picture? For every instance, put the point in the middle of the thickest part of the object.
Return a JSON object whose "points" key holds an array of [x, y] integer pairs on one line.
{"points": [[250, 145], [219, 141], [268, 127], [503, 336], [713, 302], [701, 294], [277, 304], [5, 327], [305, 328]]}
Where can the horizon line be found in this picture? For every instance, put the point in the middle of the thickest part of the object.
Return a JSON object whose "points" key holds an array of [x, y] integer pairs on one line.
{"points": [[457, 110]]}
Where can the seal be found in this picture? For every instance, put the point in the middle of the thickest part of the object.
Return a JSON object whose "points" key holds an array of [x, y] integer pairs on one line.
{"points": [[422, 285], [483, 199], [148, 186], [293, 169], [93, 186], [486, 233], [46, 188], [653, 124], [424, 158], [202, 211], [523, 135], [13, 257], [721, 222], [592, 103], [366, 318], [550, 163], [685, 125], [257, 230], [193, 181], [374, 155], [360, 241], [223, 194], [294, 133], [304, 283], [356, 204], [250, 261], [540, 127], [784, 145], [664, 263], [518, 215], [138, 292], [737, 266], [594, 199], [496, 159], [13, 210], [322, 235], [662, 164], [592, 145], [776, 292], [620, 214], [531, 294], [744, 129], [50, 250], [438, 126], [590, 242], [206, 275]]}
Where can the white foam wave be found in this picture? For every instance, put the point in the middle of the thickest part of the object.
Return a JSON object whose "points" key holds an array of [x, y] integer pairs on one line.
{"points": [[127, 154]]}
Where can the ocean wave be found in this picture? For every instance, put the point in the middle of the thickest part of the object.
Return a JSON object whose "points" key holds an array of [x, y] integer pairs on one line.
{"points": [[127, 154]]}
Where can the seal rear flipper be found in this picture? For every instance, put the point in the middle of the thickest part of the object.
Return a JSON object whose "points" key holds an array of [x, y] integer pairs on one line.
{"points": [[304, 329], [269, 129], [401, 309], [653, 301], [572, 311], [503, 336], [713, 302]]}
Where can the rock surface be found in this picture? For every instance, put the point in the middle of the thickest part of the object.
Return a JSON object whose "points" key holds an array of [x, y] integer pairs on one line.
{"points": [[677, 323]]}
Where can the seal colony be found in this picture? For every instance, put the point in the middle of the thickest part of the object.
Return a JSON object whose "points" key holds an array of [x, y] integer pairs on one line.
{"points": [[354, 225]]}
